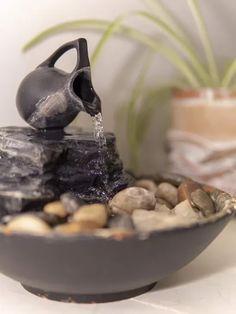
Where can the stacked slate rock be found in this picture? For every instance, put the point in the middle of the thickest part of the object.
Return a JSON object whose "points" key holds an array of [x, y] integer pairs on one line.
{"points": [[37, 166]]}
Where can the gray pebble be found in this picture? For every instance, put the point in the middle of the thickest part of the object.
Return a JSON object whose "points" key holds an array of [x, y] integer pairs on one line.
{"points": [[122, 221], [220, 199], [71, 202], [51, 220], [203, 202], [7, 218], [167, 192]]}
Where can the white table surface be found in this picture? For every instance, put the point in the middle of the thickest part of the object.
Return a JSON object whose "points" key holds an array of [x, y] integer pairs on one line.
{"points": [[205, 286]]}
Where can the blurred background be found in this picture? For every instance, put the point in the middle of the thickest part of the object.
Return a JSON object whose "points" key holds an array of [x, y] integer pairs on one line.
{"points": [[119, 63]]}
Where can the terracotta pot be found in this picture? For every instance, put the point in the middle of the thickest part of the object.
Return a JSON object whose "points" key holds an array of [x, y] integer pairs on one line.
{"points": [[202, 137]]}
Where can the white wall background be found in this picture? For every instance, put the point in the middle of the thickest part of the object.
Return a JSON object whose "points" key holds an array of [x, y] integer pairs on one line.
{"points": [[22, 19]]}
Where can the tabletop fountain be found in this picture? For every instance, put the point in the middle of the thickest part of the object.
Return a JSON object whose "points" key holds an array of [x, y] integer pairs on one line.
{"points": [[42, 162], [74, 226]]}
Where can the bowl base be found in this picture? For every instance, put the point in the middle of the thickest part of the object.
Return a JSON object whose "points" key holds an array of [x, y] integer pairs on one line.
{"points": [[89, 298]]}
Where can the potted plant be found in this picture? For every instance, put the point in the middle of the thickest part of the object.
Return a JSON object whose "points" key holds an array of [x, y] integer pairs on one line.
{"points": [[202, 135]]}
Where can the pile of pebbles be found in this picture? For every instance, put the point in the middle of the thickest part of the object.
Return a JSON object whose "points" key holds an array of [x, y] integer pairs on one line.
{"points": [[145, 207]]}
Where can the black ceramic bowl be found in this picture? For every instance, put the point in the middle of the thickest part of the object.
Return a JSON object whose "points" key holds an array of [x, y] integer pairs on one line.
{"points": [[91, 269]]}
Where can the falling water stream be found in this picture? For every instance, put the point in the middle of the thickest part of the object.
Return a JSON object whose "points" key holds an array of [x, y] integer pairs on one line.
{"points": [[102, 150]]}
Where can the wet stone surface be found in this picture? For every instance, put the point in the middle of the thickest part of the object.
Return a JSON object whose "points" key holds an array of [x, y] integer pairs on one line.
{"points": [[39, 166]]}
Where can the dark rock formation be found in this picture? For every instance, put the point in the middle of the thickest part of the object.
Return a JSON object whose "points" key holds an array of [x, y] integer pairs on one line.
{"points": [[38, 166]]}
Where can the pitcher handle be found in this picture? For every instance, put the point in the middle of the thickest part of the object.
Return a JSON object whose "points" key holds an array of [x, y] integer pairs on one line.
{"points": [[82, 54]]}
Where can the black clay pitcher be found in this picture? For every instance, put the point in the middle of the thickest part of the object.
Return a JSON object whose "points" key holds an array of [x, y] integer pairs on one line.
{"points": [[49, 98]]}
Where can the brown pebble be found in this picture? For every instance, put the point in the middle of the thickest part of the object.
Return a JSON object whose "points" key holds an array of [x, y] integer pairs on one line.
{"points": [[146, 184], [96, 213], [185, 189], [208, 188], [55, 208], [167, 192], [132, 198], [76, 227], [117, 234]]}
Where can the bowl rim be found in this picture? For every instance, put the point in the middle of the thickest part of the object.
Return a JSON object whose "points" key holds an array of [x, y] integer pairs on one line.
{"points": [[53, 236], [229, 210]]}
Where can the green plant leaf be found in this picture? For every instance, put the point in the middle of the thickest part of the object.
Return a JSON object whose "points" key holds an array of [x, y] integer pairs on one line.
{"points": [[141, 37], [184, 45], [230, 73], [161, 11], [109, 32], [95, 24], [194, 8]]}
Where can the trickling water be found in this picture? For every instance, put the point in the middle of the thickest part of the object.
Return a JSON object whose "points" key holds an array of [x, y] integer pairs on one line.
{"points": [[99, 131], [102, 150]]}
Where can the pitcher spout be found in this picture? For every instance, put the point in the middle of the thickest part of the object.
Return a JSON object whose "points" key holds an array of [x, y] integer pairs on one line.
{"points": [[82, 87]]}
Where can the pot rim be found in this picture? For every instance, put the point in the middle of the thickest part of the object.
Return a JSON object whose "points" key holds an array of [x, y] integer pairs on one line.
{"points": [[208, 92]]}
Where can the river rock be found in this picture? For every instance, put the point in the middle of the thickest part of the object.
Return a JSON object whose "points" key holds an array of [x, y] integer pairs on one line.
{"points": [[146, 184], [185, 189], [172, 178], [167, 192], [161, 201], [55, 208], [132, 198], [96, 213], [121, 221], [7, 218], [21, 196], [114, 233], [185, 210], [222, 200], [51, 220], [71, 202], [203, 202], [27, 223], [76, 227], [162, 208], [147, 221]]}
